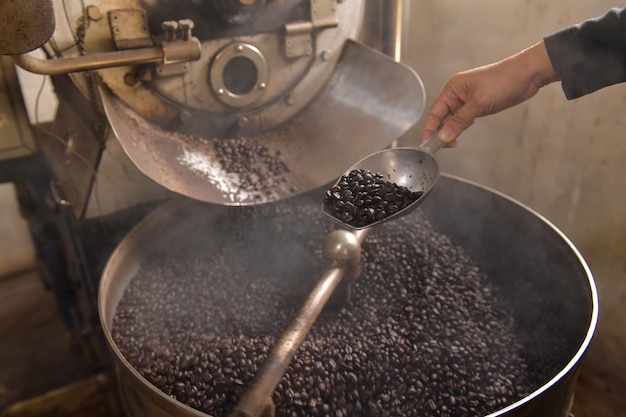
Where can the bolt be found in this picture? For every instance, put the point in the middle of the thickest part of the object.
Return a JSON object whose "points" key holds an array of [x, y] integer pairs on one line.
{"points": [[94, 13], [185, 27], [239, 48], [262, 86], [220, 91], [243, 121], [170, 27], [326, 54], [291, 99], [130, 79], [70, 146], [145, 75]]}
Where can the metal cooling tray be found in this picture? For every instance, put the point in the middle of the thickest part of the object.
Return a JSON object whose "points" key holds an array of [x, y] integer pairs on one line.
{"points": [[369, 101]]}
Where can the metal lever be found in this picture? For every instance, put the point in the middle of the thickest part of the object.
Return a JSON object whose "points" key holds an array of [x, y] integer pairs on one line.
{"points": [[175, 49], [343, 248]]}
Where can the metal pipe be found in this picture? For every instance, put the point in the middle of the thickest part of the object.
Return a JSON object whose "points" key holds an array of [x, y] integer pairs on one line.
{"points": [[255, 399], [395, 31], [343, 249], [169, 52]]}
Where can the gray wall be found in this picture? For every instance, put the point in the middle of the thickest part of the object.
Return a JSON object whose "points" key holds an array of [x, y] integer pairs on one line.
{"points": [[565, 159]]}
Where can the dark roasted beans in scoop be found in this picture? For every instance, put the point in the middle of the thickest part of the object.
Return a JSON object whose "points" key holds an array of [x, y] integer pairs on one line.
{"points": [[362, 197]]}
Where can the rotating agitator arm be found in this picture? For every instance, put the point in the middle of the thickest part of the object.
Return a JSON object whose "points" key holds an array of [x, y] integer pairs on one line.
{"points": [[343, 251]]}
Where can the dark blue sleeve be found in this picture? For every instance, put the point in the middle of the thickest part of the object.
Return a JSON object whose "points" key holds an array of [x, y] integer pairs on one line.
{"points": [[590, 55]]}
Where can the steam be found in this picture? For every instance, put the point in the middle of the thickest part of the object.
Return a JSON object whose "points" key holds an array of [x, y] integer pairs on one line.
{"points": [[229, 183]]}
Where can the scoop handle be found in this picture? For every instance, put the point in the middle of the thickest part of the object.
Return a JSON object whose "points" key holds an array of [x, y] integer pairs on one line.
{"points": [[433, 144]]}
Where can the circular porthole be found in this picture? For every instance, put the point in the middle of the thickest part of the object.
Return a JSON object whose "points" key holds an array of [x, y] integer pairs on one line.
{"points": [[239, 74]]}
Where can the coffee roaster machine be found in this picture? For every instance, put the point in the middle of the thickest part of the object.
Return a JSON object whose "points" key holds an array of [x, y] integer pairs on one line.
{"points": [[229, 102], [147, 89]]}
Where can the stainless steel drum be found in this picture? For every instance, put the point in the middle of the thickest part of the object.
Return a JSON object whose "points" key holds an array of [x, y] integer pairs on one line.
{"points": [[544, 286]]}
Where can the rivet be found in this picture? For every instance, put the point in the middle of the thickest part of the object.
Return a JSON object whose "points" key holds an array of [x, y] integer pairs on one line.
{"points": [[243, 121], [130, 79], [185, 116], [94, 13]]}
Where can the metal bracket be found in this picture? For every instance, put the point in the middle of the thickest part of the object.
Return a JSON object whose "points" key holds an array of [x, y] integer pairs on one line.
{"points": [[175, 31], [342, 249], [129, 28], [299, 34], [167, 70]]}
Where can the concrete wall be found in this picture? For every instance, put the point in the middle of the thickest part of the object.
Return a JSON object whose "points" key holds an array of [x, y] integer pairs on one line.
{"points": [[565, 159]]}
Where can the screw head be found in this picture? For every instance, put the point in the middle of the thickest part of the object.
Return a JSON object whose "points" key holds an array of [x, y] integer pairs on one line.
{"points": [[94, 13]]}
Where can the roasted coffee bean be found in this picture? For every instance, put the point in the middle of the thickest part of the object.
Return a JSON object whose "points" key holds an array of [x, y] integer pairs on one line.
{"points": [[425, 332], [362, 197], [247, 168]]}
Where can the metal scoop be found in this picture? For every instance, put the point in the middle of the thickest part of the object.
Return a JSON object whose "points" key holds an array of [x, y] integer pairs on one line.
{"points": [[412, 167]]}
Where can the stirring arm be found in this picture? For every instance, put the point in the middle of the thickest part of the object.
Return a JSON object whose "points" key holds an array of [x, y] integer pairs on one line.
{"points": [[343, 248], [433, 144]]}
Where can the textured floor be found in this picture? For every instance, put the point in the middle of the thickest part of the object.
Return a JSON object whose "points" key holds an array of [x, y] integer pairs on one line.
{"points": [[36, 350], [40, 364], [37, 356]]}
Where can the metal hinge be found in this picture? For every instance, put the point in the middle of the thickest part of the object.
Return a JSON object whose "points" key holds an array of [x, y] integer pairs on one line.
{"points": [[299, 34], [130, 28]]}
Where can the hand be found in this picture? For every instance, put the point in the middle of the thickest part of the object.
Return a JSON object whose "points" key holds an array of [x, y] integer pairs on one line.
{"points": [[488, 90]]}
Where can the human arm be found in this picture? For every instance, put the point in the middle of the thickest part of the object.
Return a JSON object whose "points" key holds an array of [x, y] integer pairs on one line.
{"points": [[590, 55], [487, 90], [584, 57]]}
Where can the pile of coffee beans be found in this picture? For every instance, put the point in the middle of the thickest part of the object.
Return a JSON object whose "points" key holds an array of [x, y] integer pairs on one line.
{"points": [[243, 168], [362, 197], [259, 170], [424, 334]]}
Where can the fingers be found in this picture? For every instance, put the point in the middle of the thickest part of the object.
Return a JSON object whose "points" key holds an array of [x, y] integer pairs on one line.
{"points": [[431, 125], [487, 90], [449, 117], [457, 123], [440, 111]]}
